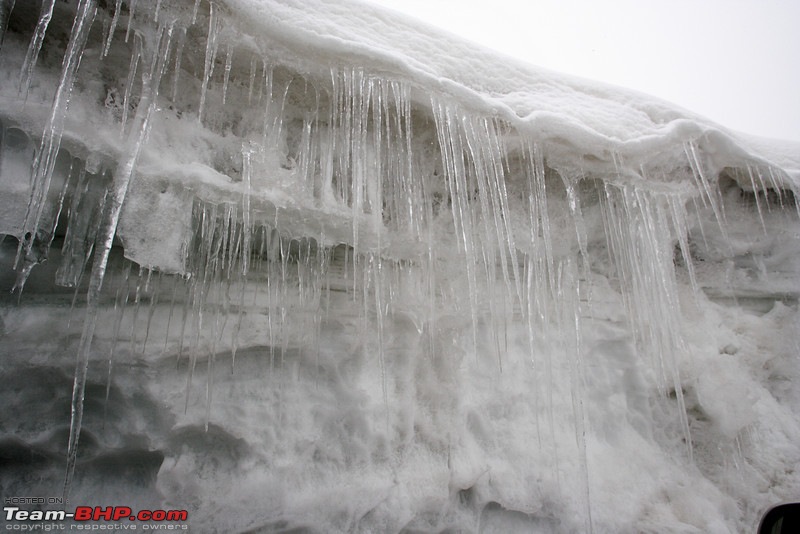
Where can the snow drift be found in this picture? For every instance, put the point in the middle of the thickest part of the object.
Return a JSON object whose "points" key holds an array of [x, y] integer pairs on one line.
{"points": [[310, 266]]}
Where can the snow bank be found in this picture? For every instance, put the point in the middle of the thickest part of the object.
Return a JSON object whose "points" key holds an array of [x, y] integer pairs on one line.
{"points": [[325, 268]]}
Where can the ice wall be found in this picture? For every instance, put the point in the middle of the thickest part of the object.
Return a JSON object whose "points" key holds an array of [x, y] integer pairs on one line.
{"points": [[311, 266]]}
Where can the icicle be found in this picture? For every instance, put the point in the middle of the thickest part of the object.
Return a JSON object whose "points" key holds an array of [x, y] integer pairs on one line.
{"points": [[152, 307], [178, 56], [194, 11], [247, 153], [83, 221], [453, 161], [252, 79], [122, 180], [776, 186], [758, 203], [211, 54], [796, 194], [239, 317], [283, 296], [380, 315], [273, 119], [169, 317], [216, 282], [187, 300], [570, 326], [270, 322], [267, 83], [637, 227], [35, 46], [245, 241], [45, 160], [307, 153], [136, 301], [574, 201], [211, 357], [485, 155], [539, 220], [206, 267], [375, 176], [226, 78], [135, 56], [38, 246], [270, 118], [764, 189], [6, 7], [705, 186], [497, 187], [113, 27], [120, 303], [678, 212], [158, 9], [60, 204], [131, 13]]}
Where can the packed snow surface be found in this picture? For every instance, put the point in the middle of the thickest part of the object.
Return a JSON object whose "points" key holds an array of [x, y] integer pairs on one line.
{"points": [[312, 266]]}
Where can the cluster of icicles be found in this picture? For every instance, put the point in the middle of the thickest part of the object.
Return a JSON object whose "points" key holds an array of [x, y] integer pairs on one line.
{"points": [[483, 205]]}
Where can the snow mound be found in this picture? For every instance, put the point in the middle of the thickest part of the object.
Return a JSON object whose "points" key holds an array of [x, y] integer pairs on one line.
{"points": [[313, 266]]}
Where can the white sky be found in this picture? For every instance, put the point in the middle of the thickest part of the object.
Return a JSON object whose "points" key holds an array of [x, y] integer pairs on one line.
{"points": [[735, 61]]}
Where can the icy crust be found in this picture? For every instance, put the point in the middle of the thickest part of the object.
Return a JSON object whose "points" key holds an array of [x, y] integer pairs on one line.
{"points": [[595, 119], [325, 269], [353, 32]]}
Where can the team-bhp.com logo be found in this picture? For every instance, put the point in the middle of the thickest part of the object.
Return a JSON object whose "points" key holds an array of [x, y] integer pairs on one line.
{"points": [[93, 514]]}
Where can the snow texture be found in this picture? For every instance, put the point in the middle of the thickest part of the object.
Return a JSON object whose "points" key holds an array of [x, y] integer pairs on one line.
{"points": [[313, 266]]}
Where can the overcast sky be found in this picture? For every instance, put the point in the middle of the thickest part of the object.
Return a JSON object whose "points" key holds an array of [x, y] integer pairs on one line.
{"points": [[735, 61]]}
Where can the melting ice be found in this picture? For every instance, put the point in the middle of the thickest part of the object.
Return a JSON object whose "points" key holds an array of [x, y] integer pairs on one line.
{"points": [[306, 267]]}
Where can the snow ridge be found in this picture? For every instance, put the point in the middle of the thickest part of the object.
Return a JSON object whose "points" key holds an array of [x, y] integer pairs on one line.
{"points": [[409, 285]]}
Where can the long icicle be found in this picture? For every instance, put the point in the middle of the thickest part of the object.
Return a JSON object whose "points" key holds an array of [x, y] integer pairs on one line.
{"points": [[45, 160], [6, 6], [119, 189], [35, 46], [113, 27], [211, 54]]}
